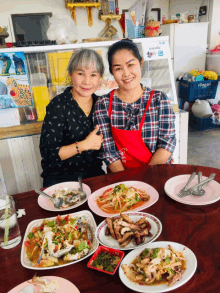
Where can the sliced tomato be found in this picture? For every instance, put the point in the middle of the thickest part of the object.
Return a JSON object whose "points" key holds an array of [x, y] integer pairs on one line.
{"points": [[34, 230], [67, 217], [27, 243], [105, 193]]}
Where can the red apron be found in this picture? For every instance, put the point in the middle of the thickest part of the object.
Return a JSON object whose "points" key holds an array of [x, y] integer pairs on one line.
{"points": [[133, 151]]}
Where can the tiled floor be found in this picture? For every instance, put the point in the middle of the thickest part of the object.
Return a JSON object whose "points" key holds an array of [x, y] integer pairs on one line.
{"points": [[204, 147]]}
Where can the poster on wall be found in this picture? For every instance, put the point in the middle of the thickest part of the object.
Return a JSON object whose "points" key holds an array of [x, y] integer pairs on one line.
{"points": [[14, 81], [158, 66]]}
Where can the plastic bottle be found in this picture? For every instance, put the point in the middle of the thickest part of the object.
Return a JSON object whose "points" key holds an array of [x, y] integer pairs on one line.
{"points": [[197, 15]]}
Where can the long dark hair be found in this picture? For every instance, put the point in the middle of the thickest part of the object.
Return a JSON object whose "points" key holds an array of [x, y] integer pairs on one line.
{"points": [[125, 44]]}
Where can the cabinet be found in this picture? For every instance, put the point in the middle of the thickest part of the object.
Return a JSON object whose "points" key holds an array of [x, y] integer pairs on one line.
{"points": [[188, 46]]}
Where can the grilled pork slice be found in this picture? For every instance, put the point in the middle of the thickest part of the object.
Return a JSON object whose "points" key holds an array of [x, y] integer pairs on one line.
{"points": [[127, 241], [125, 237], [126, 218], [110, 226], [117, 229]]}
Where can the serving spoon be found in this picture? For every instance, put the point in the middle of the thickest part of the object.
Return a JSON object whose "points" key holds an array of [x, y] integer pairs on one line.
{"points": [[56, 201], [82, 193], [42, 250]]}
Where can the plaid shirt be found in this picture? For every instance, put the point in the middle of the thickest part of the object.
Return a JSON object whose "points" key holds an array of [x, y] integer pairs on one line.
{"points": [[158, 130]]}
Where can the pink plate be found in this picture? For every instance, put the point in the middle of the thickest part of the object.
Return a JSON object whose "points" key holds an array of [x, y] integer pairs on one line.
{"points": [[47, 204], [64, 286], [174, 185], [154, 196]]}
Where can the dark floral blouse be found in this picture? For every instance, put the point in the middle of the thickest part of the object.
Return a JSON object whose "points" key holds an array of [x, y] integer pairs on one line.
{"points": [[66, 123]]}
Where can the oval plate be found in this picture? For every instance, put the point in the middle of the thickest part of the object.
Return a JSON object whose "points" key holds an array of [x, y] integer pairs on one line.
{"points": [[154, 196], [85, 215], [191, 264], [156, 228], [47, 204]]}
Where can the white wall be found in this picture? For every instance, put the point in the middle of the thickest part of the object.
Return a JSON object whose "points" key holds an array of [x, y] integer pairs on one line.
{"points": [[58, 7], [189, 6], [215, 25]]}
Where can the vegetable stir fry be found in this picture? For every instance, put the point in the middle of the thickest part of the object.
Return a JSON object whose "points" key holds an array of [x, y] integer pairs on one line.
{"points": [[156, 266], [121, 198], [63, 240]]}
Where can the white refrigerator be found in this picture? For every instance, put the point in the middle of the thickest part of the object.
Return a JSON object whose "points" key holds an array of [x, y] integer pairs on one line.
{"points": [[188, 46]]}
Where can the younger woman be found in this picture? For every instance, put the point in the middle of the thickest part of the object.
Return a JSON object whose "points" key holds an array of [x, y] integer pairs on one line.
{"points": [[137, 123], [69, 142]]}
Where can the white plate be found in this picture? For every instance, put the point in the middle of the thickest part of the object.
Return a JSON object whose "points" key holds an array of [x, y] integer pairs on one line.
{"points": [[191, 264], [85, 215], [47, 204], [156, 229], [154, 195], [173, 186], [63, 285]]}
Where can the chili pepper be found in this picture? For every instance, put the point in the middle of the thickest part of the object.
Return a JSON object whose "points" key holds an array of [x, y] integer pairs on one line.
{"points": [[59, 218], [67, 217], [104, 194]]}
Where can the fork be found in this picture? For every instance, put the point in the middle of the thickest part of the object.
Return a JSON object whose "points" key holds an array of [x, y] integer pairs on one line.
{"points": [[189, 191], [184, 189]]}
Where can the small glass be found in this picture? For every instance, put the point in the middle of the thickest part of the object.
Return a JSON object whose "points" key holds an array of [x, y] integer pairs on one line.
{"points": [[9, 228]]}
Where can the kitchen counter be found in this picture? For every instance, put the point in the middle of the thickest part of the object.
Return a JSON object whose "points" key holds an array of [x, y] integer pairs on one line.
{"points": [[21, 130]]}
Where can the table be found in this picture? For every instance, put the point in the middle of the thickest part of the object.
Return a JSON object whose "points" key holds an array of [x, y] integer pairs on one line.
{"points": [[197, 227]]}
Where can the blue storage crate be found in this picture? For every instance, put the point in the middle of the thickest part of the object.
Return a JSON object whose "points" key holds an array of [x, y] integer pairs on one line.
{"points": [[201, 123], [134, 32], [202, 90]]}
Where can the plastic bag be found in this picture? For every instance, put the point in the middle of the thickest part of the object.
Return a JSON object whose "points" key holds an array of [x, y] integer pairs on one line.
{"points": [[183, 17], [62, 29], [216, 50]]}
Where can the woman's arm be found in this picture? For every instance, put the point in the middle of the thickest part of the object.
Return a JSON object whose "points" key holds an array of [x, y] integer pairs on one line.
{"points": [[108, 152], [116, 166], [161, 156], [166, 141], [92, 142], [52, 144]]}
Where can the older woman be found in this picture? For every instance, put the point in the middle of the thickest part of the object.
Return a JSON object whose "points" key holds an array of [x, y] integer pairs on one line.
{"points": [[69, 143], [137, 123]]}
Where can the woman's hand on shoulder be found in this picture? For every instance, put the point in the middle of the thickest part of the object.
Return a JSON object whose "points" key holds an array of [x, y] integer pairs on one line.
{"points": [[93, 140]]}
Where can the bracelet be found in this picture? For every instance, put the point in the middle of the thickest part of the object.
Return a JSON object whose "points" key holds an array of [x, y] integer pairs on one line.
{"points": [[77, 148]]}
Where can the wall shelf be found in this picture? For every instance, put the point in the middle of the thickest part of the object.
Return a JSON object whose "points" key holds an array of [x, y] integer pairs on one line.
{"points": [[110, 16], [72, 7], [96, 5]]}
